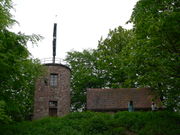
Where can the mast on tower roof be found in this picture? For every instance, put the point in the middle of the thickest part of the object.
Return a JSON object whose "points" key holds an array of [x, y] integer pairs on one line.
{"points": [[54, 41]]}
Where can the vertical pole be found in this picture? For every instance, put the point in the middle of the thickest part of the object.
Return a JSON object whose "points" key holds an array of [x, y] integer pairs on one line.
{"points": [[54, 41]]}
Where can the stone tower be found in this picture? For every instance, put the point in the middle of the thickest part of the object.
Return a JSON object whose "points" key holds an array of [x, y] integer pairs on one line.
{"points": [[52, 94]]}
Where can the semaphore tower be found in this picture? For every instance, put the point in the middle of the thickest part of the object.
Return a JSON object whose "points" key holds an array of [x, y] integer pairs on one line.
{"points": [[52, 94]]}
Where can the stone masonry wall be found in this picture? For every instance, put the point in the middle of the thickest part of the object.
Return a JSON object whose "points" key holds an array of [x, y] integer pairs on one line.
{"points": [[45, 93]]}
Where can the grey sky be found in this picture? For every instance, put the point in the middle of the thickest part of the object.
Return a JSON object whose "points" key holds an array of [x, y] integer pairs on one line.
{"points": [[81, 23]]}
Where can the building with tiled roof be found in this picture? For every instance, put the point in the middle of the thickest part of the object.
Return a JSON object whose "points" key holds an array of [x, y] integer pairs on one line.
{"points": [[113, 100]]}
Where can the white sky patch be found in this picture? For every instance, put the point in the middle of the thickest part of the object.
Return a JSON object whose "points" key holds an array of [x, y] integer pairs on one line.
{"points": [[80, 23]]}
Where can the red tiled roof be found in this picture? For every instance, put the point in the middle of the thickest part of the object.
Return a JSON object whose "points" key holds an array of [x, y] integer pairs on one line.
{"points": [[117, 99]]}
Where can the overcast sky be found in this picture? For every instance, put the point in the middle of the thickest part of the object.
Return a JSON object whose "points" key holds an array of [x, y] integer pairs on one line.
{"points": [[81, 23]]}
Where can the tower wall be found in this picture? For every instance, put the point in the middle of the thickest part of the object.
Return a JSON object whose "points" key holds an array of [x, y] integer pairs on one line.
{"points": [[52, 100]]}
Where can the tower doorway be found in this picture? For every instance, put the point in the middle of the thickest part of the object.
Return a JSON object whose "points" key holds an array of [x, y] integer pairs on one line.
{"points": [[53, 112], [53, 108]]}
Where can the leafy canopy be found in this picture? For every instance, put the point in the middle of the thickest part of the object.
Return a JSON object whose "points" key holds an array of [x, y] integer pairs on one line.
{"points": [[98, 68], [18, 70], [146, 56]]}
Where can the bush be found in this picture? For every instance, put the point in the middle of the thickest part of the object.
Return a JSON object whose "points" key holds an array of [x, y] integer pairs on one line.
{"points": [[4, 119], [98, 124], [132, 121], [91, 123]]}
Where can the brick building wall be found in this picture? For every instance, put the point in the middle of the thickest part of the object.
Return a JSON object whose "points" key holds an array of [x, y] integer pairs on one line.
{"points": [[117, 99], [52, 94]]}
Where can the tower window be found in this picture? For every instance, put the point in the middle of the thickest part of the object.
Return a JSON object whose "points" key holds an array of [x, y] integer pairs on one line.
{"points": [[52, 104], [53, 80], [46, 81]]}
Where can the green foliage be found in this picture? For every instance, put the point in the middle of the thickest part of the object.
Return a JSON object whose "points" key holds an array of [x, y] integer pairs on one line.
{"points": [[97, 68], [18, 71], [149, 123], [83, 75], [5, 15], [109, 59], [3, 117], [98, 124], [146, 56], [155, 55], [91, 123]]}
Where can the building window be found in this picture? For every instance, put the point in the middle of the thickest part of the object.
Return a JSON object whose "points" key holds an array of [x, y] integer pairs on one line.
{"points": [[53, 80], [130, 106], [52, 104], [46, 81]]}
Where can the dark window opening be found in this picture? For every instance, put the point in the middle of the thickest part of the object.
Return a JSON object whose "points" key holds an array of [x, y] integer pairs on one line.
{"points": [[53, 80], [46, 81], [130, 106], [52, 104]]}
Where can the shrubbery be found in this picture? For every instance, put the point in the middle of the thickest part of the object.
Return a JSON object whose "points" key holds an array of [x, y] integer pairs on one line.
{"points": [[91, 123], [4, 119]]}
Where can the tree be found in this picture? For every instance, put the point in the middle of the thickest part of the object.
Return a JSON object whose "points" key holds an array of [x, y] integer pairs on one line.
{"points": [[4, 118], [146, 56], [153, 55], [98, 68], [84, 75], [109, 57], [5, 15], [18, 71]]}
